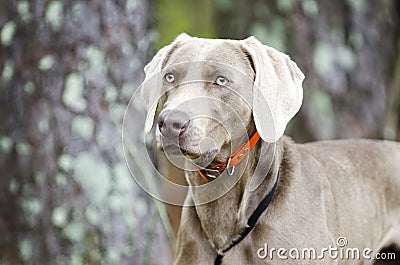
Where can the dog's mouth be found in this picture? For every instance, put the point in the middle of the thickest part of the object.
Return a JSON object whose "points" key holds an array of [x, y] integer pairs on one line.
{"points": [[193, 152], [190, 154]]}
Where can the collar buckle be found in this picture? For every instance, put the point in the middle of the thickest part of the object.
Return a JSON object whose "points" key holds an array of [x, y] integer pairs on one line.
{"points": [[229, 169], [213, 171]]}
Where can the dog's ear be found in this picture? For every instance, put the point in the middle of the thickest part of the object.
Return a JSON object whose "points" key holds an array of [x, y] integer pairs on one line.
{"points": [[277, 92], [150, 90]]}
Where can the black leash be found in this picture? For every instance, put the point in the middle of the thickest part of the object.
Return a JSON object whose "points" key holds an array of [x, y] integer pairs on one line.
{"points": [[251, 222]]}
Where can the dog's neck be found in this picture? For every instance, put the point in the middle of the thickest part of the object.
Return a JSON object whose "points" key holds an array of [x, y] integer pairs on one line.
{"points": [[225, 218]]}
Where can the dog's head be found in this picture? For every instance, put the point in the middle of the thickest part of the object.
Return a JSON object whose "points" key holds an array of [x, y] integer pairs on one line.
{"points": [[212, 92]]}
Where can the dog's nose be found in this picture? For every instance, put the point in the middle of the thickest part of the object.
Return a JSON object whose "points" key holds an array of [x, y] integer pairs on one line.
{"points": [[173, 123]]}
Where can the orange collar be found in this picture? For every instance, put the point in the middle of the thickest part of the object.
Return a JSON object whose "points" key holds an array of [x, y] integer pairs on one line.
{"points": [[231, 163]]}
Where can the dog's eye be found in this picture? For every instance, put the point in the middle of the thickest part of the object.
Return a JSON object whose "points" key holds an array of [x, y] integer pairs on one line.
{"points": [[221, 81], [169, 78]]}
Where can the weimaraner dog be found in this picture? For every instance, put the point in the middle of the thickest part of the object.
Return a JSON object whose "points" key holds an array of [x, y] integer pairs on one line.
{"points": [[227, 102]]}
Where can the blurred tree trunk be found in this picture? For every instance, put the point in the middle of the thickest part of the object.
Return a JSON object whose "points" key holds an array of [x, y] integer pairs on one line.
{"points": [[347, 50], [68, 69]]}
